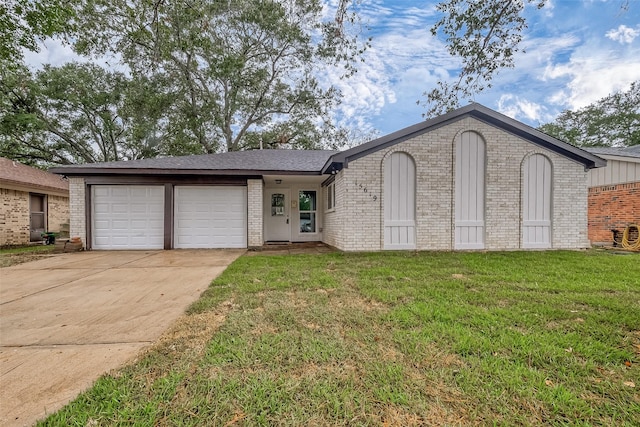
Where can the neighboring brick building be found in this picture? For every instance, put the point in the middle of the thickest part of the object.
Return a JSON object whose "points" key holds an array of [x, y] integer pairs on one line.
{"points": [[614, 193], [31, 201], [470, 179]]}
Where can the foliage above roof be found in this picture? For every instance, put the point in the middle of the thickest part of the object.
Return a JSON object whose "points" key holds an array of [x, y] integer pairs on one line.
{"points": [[316, 162]]}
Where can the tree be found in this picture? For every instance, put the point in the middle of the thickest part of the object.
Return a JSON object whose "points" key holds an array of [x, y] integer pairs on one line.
{"points": [[613, 121], [485, 35], [24, 22], [239, 72], [77, 113]]}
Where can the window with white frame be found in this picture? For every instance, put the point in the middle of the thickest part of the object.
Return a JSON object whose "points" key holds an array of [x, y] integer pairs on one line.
{"points": [[331, 196], [307, 209]]}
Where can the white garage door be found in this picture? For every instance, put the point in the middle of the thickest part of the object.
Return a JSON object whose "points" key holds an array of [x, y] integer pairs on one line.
{"points": [[210, 217], [127, 217]]}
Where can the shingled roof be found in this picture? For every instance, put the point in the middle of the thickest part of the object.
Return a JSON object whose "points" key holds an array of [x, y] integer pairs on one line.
{"points": [[633, 151], [21, 177], [253, 162]]}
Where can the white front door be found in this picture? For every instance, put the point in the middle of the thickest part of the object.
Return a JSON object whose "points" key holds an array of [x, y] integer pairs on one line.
{"points": [[277, 227]]}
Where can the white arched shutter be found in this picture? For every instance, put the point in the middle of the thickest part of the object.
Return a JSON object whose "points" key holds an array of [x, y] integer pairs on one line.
{"points": [[399, 202], [469, 191], [536, 202]]}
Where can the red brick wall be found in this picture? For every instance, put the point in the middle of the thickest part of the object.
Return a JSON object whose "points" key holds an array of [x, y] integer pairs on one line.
{"points": [[612, 207]]}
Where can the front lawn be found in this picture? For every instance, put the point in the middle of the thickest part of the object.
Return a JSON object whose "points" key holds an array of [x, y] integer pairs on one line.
{"points": [[518, 338]]}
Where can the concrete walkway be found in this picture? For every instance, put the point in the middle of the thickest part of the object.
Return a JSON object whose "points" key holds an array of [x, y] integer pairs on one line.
{"points": [[68, 319]]}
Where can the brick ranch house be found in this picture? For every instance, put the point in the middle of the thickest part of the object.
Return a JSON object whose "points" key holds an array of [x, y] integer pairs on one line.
{"points": [[470, 179], [614, 193], [32, 201]]}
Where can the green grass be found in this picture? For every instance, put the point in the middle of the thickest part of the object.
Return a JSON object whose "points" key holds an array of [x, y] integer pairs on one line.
{"points": [[518, 338], [27, 249]]}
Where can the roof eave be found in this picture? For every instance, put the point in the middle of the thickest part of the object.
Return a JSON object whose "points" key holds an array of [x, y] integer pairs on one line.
{"points": [[89, 171], [34, 188], [537, 137]]}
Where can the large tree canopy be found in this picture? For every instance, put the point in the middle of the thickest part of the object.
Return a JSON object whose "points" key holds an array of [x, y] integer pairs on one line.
{"points": [[24, 22], [485, 35], [238, 72], [613, 121], [78, 113]]}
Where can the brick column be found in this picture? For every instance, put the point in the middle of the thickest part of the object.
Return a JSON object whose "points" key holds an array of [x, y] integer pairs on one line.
{"points": [[254, 213], [77, 211]]}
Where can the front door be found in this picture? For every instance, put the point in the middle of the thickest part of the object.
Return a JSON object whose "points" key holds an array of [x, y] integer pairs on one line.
{"points": [[277, 226], [37, 216]]}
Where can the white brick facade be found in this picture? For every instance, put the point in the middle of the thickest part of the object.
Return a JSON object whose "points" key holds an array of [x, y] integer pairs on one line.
{"points": [[254, 212], [356, 223], [77, 211]]}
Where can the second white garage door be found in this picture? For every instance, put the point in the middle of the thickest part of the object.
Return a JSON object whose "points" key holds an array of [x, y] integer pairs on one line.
{"points": [[210, 217]]}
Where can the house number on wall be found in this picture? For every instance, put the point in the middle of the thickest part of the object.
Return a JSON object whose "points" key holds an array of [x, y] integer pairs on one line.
{"points": [[363, 187]]}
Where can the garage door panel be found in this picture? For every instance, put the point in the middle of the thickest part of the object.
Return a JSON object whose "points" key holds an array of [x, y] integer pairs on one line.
{"points": [[128, 217], [210, 217]]}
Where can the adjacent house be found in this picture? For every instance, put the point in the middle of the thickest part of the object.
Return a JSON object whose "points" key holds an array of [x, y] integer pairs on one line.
{"points": [[614, 193], [470, 179], [32, 201]]}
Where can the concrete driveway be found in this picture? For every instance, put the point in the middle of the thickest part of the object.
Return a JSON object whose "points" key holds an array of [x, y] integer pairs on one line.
{"points": [[68, 319]]}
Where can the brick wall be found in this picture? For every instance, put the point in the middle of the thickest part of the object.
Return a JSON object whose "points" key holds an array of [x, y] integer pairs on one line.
{"points": [[255, 213], [57, 213], [77, 212], [334, 219], [612, 207], [14, 217], [357, 222]]}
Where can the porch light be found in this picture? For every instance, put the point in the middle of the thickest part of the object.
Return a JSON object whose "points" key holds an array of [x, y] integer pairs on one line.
{"points": [[278, 181]]}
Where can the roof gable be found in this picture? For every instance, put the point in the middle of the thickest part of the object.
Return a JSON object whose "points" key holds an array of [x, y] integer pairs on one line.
{"points": [[478, 112]]}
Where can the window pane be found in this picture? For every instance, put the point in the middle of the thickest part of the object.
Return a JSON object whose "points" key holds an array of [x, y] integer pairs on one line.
{"points": [[37, 221], [277, 204], [307, 222], [330, 196], [307, 201], [37, 203]]}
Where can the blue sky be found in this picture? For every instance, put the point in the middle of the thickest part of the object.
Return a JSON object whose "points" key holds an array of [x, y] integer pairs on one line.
{"points": [[577, 51]]}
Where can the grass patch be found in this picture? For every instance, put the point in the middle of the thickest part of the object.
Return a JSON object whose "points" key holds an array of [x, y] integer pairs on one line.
{"points": [[519, 338], [37, 249], [21, 254]]}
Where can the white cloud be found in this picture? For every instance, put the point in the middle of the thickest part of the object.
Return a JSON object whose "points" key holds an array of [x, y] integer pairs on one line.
{"points": [[623, 34], [57, 53], [52, 52], [522, 109], [592, 74]]}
